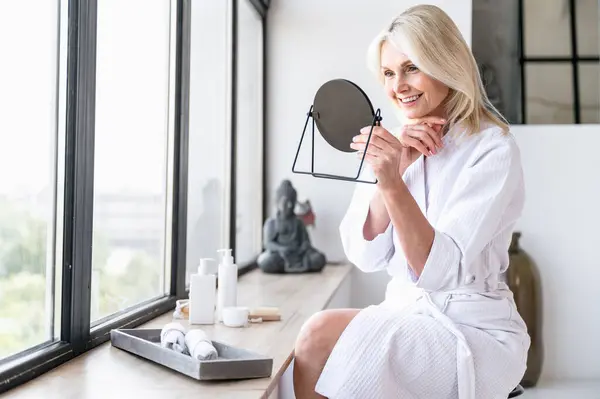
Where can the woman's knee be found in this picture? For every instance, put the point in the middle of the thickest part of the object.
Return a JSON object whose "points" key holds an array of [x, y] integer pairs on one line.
{"points": [[321, 331], [313, 335]]}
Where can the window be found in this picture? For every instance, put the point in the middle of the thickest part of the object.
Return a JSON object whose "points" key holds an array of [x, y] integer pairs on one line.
{"points": [[560, 45], [131, 154], [81, 96], [539, 60], [249, 133], [226, 133], [210, 137], [31, 143], [120, 147]]}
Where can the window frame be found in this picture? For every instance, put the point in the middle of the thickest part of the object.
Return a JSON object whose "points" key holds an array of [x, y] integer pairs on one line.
{"points": [[76, 336], [262, 10], [261, 7], [574, 59]]}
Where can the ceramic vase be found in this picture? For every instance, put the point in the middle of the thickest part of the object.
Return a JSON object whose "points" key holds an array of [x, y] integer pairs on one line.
{"points": [[524, 281]]}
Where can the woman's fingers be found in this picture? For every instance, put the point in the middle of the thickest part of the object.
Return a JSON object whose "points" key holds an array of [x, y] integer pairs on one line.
{"points": [[369, 157], [424, 137], [372, 149], [417, 144], [380, 132], [360, 145], [437, 134], [375, 140], [427, 135], [373, 160], [378, 139], [433, 132], [431, 120], [385, 135]]}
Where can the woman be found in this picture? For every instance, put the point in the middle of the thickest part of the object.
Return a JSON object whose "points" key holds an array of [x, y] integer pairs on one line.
{"points": [[450, 190]]}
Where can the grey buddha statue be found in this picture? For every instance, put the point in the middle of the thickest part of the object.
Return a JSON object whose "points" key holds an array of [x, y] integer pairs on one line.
{"points": [[287, 245]]}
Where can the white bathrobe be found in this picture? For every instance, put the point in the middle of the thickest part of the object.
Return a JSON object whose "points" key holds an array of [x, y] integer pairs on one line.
{"points": [[454, 332]]}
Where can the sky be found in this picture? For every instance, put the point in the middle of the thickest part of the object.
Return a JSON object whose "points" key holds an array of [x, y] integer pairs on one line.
{"points": [[131, 98]]}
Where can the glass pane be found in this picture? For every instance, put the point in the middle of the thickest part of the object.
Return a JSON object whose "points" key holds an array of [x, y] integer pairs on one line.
{"points": [[549, 103], [210, 132], [587, 27], [589, 92], [32, 80], [546, 28], [495, 43], [249, 134], [131, 154]]}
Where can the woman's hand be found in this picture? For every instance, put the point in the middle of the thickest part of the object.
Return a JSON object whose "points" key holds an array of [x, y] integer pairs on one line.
{"points": [[390, 156], [385, 154], [423, 134]]}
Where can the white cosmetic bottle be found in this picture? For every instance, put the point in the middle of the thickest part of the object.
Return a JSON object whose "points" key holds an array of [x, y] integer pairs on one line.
{"points": [[203, 294], [227, 275]]}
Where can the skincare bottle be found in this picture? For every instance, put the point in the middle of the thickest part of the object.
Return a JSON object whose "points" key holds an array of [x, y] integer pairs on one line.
{"points": [[227, 275], [203, 294]]}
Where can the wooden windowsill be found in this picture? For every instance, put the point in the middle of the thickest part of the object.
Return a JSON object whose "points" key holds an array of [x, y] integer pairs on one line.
{"points": [[108, 372]]}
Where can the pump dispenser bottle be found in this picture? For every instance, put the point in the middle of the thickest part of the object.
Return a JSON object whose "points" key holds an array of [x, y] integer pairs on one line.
{"points": [[227, 282], [202, 294]]}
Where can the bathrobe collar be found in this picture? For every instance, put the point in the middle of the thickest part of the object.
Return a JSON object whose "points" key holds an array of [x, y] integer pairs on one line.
{"points": [[414, 177]]}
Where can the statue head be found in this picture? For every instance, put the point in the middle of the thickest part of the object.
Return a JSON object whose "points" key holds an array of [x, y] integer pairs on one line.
{"points": [[286, 198]]}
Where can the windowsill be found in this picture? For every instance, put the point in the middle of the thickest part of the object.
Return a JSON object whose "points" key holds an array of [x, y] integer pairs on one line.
{"points": [[107, 371]]}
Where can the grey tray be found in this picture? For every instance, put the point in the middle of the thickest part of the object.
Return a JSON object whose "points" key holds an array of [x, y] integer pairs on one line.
{"points": [[232, 363]]}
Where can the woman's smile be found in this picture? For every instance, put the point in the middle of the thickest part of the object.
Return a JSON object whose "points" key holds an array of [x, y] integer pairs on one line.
{"points": [[410, 100]]}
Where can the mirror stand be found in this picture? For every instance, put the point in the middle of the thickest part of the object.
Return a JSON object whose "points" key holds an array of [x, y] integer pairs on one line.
{"points": [[376, 120]]}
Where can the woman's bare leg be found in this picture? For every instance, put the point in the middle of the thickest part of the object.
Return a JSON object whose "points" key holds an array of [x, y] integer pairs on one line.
{"points": [[315, 342]]}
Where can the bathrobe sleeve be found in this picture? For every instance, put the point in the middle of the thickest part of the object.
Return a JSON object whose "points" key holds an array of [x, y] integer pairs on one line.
{"points": [[367, 255], [472, 215]]}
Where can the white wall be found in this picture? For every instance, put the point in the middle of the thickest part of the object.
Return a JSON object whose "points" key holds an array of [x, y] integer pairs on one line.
{"points": [[313, 41], [559, 227]]}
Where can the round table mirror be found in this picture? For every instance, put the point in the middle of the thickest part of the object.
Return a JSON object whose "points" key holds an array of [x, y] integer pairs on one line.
{"points": [[340, 110]]}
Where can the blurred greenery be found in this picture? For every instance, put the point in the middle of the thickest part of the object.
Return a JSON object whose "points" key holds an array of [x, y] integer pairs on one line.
{"points": [[23, 314], [138, 281]]}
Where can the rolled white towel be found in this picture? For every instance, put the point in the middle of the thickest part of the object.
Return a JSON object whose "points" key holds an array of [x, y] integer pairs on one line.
{"points": [[200, 347], [172, 336]]}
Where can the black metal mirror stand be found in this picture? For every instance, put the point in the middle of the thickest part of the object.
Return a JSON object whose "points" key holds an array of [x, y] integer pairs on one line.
{"points": [[376, 120]]}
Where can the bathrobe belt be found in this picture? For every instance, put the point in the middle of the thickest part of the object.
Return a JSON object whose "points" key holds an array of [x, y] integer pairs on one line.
{"points": [[465, 370], [422, 302]]}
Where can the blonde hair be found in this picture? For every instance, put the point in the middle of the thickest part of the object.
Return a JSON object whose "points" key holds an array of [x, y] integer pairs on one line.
{"points": [[432, 41]]}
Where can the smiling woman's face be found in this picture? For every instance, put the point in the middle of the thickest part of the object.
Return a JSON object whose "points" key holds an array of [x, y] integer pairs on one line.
{"points": [[416, 94]]}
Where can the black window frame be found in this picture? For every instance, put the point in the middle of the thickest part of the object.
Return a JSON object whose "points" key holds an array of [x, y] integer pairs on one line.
{"points": [[77, 335], [575, 60], [261, 8]]}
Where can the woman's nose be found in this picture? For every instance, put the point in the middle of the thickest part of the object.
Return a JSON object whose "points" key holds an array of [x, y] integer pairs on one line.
{"points": [[400, 85]]}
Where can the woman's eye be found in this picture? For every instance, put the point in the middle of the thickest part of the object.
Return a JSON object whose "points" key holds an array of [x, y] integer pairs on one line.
{"points": [[411, 68], [388, 74]]}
